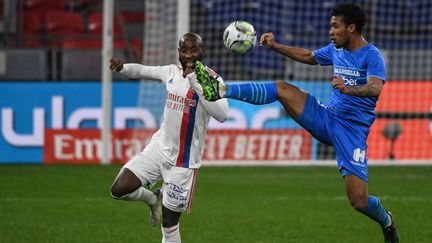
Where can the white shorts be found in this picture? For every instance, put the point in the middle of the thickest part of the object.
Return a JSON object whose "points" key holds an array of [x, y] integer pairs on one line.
{"points": [[179, 183]]}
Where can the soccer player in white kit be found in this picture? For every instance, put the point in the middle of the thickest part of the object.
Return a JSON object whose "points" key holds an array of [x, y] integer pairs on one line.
{"points": [[175, 151]]}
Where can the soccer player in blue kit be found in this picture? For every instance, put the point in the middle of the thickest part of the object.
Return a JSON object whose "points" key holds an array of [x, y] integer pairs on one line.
{"points": [[344, 123]]}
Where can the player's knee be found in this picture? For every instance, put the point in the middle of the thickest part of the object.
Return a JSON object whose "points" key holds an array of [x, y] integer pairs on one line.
{"points": [[116, 191], [125, 183], [359, 203], [289, 93], [169, 217], [283, 88]]}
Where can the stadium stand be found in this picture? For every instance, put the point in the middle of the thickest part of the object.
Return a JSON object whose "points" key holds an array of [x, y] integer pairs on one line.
{"points": [[54, 25], [95, 24], [41, 7], [88, 44], [51, 30], [61, 25], [32, 30]]}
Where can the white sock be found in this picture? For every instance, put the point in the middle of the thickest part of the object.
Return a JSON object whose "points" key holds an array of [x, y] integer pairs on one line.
{"points": [[141, 194], [222, 90], [389, 221], [171, 234]]}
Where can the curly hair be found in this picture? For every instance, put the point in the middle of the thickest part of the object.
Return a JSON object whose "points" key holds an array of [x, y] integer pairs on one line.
{"points": [[351, 13]]}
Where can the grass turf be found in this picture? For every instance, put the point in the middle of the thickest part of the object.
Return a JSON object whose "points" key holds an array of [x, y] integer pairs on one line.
{"points": [[232, 204]]}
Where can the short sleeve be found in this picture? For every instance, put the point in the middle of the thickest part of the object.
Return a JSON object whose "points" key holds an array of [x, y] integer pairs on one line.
{"points": [[324, 55], [375, 65]]}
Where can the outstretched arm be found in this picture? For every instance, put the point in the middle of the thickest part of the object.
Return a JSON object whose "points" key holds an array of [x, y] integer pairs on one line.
{"points": [[371, 89], [135, 70], [295, 53]]}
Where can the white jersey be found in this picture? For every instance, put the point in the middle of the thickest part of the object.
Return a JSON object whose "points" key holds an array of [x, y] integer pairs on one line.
{"points": [[186, 114]]}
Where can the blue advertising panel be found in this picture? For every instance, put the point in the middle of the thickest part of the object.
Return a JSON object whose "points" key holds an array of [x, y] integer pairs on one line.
{"points": [[28, 108]]}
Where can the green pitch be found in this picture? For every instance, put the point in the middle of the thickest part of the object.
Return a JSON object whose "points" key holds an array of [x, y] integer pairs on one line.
{"points": [[232, 204]]}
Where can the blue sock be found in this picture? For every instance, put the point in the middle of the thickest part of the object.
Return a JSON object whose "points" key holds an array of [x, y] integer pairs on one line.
{"points": [[376, 211], [254, 93]]}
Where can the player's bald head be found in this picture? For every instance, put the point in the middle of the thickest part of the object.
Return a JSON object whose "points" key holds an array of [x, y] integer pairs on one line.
{"points": [[190, 36]]}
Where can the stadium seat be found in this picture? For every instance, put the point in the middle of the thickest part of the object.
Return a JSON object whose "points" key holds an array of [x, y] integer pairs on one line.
{"points": [[32, 4], [132, 23], [90, 44], [1, 9], [28, 34], [41, 7], [63, 23], [135, 51], [32, 23], [32, 27], [95, 24], [137, 48], [131, 17], [82, 44]]}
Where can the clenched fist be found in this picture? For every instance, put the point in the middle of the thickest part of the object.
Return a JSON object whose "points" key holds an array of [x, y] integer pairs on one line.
{"points": [[338, 83], [116, 65], [268, 39]]}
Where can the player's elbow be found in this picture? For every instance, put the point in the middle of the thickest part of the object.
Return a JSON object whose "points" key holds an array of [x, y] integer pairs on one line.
{"points": [[220, 111], [376, 94], [376, 91], [310, 59], [221, 118]]}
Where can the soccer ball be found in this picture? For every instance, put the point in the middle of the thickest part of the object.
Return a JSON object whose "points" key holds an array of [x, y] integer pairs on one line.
{"points": [[239, 37]]}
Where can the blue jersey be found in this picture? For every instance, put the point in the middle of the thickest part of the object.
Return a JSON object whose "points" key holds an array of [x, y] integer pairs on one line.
{"points": [[354, 67]]}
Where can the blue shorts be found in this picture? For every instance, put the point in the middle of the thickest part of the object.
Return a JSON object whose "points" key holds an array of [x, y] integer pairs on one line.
{"points": [[347, 137]]}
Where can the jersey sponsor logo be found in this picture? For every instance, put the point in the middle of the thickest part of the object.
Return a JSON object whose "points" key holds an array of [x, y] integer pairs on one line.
{"points": [[349, 76], [349, 81], [345, 71], [180, 103]]}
